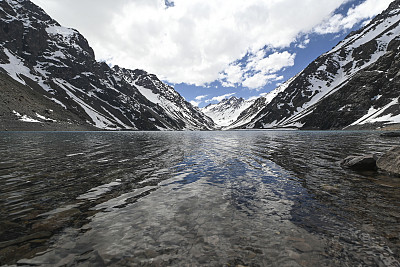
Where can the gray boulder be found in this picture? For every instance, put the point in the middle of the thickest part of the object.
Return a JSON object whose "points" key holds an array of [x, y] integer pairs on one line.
{"points": [[390, 161], [360, 163]]}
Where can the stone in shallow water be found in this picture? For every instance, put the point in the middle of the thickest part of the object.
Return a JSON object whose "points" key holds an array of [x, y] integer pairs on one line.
{"points": [[360, 163], [390, 161]]}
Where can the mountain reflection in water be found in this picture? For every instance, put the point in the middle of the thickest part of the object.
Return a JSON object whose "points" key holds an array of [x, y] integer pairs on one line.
{"points": [[252, 198]]}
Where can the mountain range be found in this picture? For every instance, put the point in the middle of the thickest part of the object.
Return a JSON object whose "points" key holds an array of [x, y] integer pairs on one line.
{"points": [[353, 86], [50, 80]]}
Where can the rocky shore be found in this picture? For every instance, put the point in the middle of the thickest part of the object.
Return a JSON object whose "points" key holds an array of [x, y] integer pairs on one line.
{"points": [[388, 162]]}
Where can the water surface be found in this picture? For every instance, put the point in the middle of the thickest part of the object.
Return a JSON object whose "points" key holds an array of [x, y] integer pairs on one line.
{"points": [[252, 198]]}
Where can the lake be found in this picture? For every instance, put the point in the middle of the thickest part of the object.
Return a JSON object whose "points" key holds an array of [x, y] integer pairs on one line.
{"points": [[234, 198]]}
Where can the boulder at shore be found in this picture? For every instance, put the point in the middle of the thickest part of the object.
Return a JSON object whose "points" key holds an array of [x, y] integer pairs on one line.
{"points": [[390, 161], [360, 163]]}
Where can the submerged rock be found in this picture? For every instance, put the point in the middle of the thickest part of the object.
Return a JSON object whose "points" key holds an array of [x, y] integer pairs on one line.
{"points": [[390, 161], [360, 163]]}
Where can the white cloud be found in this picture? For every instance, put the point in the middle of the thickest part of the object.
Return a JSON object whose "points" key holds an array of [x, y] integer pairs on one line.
{"points": [[219, 98], [260, 79], [193, 41], [258, 71], [232, 76], [304, 43], [200, 97], [272, 63], [366, 10], [198, 100]]}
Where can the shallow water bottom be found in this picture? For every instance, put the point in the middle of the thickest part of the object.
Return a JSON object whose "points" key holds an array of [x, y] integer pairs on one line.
{"points": [[192, 199]]}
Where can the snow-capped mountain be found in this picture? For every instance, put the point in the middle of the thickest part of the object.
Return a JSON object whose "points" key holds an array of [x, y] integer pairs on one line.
{"points": [[60, 66], [248, 114], [355, 85], [227, 111]]}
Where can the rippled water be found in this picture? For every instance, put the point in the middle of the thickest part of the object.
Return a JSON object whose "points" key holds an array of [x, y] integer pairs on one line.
{"points": [[251, 198]]}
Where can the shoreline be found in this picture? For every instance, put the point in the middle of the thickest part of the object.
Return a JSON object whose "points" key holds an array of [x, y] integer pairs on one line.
{"points": [[21, 126]]}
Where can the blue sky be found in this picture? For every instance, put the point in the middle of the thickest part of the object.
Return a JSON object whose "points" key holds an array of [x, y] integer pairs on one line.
{"points": [[211, 49], [318, 45]]}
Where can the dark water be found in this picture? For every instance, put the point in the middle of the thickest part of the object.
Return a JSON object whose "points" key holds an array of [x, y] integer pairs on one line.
{"points": [[195, 198]]}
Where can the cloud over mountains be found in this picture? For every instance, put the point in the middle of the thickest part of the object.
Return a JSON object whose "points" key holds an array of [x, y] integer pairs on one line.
{"points": [[198, 42]]}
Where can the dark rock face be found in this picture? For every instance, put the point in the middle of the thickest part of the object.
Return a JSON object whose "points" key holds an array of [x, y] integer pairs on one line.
{"points": [[250, 112], [360, 163], [374, 87], [354, 84], [390, 161], [58, 63], [15, 96]]}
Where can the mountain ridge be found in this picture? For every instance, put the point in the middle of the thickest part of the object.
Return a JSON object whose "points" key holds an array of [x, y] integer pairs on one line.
{"points": [[324, 81], [59, 63], [352, 86]]}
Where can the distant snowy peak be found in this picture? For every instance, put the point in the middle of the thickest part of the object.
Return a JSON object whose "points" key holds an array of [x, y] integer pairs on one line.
{"points": [[251, 112], [227, 111], [351, 85], [59, 63]]}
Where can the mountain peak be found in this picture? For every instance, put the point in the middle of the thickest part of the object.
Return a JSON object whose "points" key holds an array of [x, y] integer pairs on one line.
{"points": [[58, 63]]}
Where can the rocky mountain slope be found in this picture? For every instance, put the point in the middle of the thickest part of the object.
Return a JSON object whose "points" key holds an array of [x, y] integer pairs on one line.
{"points": [[247, 115], [227, 111], [22, 108], [355, 85], [57, 66]]}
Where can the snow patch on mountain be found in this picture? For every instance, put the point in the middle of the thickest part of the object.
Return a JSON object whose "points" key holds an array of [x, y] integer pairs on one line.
{"points": [[59, 30], [24, 118], [15, 68], [152, 97], [375, 115]]}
